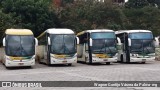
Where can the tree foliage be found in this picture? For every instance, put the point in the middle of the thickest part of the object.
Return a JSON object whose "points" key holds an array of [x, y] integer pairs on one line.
{"points": [[137, 3], [145, 18], [39, 15], [91, 15], [36, 15]]}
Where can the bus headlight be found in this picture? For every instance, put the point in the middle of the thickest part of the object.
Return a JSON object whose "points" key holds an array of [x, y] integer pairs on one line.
{"points": [[52, 56], [134, 55], [33, 58], [115, 55], [7, 58], [152, 54], [75, 55], [94, 56]]}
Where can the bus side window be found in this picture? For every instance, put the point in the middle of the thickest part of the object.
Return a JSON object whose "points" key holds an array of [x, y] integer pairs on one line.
{"points": [[86, 47], [46, 41], [159, 40], [87, 41]]}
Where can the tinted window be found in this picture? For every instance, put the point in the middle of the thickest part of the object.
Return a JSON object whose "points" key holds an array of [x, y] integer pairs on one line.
{"points": [[20, 45], [102, 35], [63, 44], [141, 35]]}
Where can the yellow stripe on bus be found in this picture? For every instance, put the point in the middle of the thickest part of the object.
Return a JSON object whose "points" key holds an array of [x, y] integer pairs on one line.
{"points": [[102, 55], [16, 58]]}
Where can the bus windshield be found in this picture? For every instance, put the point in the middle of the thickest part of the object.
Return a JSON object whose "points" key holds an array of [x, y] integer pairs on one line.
{"points": [[63, 44], [141, 35], [102, 35], [104, 46], [142, 46], [20, 45], [104, 42], [142, 42]]}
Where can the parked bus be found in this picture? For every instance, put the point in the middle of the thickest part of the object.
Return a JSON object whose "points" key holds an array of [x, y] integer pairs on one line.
{"points": [[97, 46], [19, 47], [137, 46], [58, 46]]}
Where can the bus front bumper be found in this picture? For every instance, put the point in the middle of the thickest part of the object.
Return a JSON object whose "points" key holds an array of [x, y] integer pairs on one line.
{"points": [[63, 60], [103, 60], [152, 59], [19, 63]]}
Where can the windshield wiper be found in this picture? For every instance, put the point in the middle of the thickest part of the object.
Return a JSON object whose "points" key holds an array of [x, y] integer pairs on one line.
{"points": [[24, 51], [65, 48], [144, 48], [102, 47], [16, 51], [108, 47], [147, 50]]}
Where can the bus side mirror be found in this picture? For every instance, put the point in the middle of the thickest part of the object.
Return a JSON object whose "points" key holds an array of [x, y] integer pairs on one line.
{"points": [[77, 40], [90, 42], [129, 42], [4, 42], [156, 42], [49, 41], [36, 42], [119, 41]]}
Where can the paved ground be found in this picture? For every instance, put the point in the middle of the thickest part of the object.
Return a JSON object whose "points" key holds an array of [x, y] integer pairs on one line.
{"points": [[84, 72]]}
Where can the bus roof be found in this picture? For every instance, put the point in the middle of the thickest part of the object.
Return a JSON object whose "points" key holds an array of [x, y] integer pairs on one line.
{"points": [[56, 31], [18, 32], [95, 30], [130, 31], [59, 31]]}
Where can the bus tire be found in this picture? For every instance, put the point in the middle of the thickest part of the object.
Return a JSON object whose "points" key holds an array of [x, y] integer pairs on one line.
{"points": [[108, 63], [121, 58], [143, 62], [70, 64], [85, 59], [38, 59]]}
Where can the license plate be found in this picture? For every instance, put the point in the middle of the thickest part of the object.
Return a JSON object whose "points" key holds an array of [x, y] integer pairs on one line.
{"points": [[105, 60], [21, 63], [64, 61], [143, 59]]}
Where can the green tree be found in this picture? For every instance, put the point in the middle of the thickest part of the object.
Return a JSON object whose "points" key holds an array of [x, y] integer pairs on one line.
{"points": [[144, 18], [154, 2], [6, 21], [136, 3], [92, 15], [36, 15], [67, 1]]}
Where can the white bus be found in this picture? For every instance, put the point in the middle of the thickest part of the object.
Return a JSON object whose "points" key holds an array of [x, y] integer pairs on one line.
{"points": [[58, 46], [19, 47], [97, 46], [137, 46]]}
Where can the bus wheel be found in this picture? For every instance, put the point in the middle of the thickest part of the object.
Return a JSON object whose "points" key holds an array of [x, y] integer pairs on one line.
{"points": [[70, 64], [143, 62], [85, 59], [121, 58], [38, 59], [108, 63]]}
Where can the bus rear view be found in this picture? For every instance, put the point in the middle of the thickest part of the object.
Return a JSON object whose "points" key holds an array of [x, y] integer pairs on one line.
{"points": [[19, 48]]}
